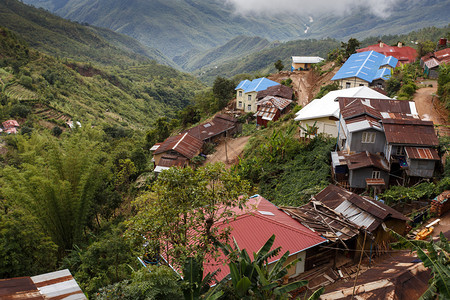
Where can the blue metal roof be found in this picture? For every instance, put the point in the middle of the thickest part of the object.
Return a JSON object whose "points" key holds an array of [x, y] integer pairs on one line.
{"points": [[256, 85], [243, 84], [383, 73], [364, 65], [390, 60]]}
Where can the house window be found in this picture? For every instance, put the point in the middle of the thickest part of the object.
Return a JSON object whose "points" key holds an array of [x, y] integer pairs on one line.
{"points": [[240, 104], [347, 85], [361, 84], [249, 97], [249, 107], [240, 93], [400, 151], [368, 137], [376, 174]]}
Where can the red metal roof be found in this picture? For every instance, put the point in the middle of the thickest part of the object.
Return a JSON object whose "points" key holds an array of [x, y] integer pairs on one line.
{"points": [[185, 144], [255, 224], [10, 124], [410, 132], [404, 54], [422, 153]]}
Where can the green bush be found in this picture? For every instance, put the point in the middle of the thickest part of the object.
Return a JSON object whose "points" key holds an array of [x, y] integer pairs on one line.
{"points": [[19, 110]]}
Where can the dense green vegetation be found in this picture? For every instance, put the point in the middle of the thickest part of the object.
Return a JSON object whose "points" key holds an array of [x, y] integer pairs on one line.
{"points": [[444, 85], [61, 38], [286, 171]]}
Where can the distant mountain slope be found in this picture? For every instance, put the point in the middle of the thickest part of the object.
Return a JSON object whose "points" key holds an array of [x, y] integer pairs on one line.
{"points": [[237, 47], [176, 27], [262, 62], [59, 37]]}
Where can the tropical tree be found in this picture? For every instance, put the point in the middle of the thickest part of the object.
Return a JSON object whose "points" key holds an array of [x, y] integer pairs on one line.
{"points": [[279, 65], [57, 181], [196, 286], [309, 130], [223, 90], [178, 214], [350, 47], [436, 257]]}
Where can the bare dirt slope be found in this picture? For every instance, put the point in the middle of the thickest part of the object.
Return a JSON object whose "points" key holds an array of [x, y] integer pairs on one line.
{"points": [[306, 84], [429, 107], [234, 149]]}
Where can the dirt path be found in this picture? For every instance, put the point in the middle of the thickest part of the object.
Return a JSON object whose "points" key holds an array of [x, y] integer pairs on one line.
{"points": [[234, 149], [428, 106]]}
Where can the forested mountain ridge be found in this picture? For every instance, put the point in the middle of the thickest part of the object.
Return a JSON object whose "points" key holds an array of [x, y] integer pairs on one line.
{"points": [[177, 27], [59, 37]]}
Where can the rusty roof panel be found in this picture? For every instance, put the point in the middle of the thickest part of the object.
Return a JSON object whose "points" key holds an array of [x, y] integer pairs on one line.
{"points": [[375, 181], [323, 220], [422, 153], [19, 288], [375, 105], [364, 160], [185, 144], [172, 161], [276, 90], [333, 196], [54, 285], [410, 132], [218, 125]]}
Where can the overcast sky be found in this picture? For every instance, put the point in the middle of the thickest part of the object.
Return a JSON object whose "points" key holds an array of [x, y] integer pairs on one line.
{"points": [[379, 8]]}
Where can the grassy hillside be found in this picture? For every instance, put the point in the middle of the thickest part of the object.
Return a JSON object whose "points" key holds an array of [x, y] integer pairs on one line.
{"points": [[61, 38], [237, 47], [262, 62], [130, 96]]}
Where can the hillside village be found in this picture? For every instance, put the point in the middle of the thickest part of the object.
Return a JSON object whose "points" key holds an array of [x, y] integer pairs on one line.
{"points": [[326, 179], [381, 142]]}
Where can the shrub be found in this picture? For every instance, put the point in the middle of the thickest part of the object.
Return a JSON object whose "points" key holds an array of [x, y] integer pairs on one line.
{"points": [[20, 110], [56, 131]]}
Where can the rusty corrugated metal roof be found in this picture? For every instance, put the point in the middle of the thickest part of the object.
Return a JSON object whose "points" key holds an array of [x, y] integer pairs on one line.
{"points": [[364, 160], [276, 90], [410, 132], [172, 161], [185, 144], [422, 153], [333, 196], [218, 125], [54, 285], [323, 220]]}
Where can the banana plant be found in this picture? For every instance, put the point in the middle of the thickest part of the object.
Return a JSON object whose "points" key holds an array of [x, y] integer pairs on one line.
{"points": [[254, 279], [194, 285]]}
